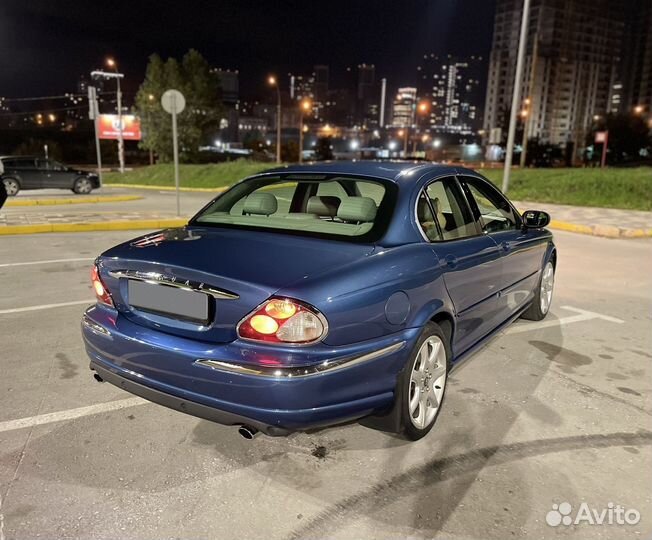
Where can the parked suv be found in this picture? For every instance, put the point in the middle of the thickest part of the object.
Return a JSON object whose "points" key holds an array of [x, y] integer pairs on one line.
{"points": [[28, 172]]}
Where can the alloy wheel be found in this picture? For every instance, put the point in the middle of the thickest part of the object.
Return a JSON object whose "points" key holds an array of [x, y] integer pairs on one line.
{"points": [[11, 186], [427, 382], [547, 284], [83, 186]]}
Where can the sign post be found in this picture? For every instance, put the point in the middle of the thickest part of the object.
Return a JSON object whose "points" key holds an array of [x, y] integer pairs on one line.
{"points": [[173, 103], [93, 114]]}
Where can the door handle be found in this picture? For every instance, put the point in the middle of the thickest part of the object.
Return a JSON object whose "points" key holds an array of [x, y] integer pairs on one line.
{"points": [[451, 261], [505, 246]]}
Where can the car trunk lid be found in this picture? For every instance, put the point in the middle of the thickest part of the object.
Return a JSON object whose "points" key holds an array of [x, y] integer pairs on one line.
{"points": [[171, 279]]}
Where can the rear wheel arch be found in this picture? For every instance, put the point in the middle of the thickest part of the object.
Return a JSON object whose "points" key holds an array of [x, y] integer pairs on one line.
{"points": [[446, 322]]}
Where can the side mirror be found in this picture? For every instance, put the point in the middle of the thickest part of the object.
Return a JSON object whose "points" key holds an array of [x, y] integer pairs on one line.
{"points": [[535, 219]]}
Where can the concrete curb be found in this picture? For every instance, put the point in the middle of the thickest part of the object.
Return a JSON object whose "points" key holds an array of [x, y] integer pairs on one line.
{"points": [[89, 200], [168, 188], [124, 225], [604, 231]]}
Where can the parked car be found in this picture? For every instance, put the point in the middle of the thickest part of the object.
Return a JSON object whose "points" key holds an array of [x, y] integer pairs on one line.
{"points": [[28, 172], [318, 294]]}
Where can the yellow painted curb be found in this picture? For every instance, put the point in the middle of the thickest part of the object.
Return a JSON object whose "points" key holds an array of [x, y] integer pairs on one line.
{"points": [[85, 200], [604, 231], [122, 225], [168, 188], [570, 227]]}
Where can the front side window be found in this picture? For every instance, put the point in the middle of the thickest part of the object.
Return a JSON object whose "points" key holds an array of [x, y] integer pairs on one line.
{"points": [[451, 216], [338, 207], [493, 210]]}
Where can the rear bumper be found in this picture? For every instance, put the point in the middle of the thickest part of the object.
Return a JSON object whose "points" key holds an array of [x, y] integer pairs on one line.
{"points": [[183, 405], [203, 380]]}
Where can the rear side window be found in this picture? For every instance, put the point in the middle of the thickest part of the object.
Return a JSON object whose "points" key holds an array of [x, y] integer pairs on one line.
{"points": [[452, 217], [18, 163]]}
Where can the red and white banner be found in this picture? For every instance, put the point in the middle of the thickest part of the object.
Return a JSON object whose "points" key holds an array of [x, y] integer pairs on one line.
{"points": [[109, 127]]}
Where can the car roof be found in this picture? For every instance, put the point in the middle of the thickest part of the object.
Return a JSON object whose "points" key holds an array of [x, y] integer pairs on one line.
{"points": [[396, 171], [19, 157]]}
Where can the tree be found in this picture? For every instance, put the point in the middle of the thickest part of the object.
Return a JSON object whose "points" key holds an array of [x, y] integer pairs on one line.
{"points": [[323, 149], [194, 79], [36, 147], [628, 135]]}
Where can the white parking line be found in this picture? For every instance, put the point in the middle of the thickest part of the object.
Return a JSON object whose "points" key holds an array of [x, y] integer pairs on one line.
{"points": [[70, 414], [45, 306], [50, 261], [582, 315]]}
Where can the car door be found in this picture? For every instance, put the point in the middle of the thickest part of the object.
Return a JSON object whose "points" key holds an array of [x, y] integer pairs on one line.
{"points": [[521, 251], [470, 260], [28, 173], [54, 174]]}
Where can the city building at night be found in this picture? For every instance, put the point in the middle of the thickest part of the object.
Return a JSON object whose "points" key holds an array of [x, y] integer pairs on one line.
{"points": [[573, 56], [404, 107], [452, 87]]}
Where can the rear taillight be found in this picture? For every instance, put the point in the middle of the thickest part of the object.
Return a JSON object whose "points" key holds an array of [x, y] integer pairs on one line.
{"points": [[281, 320], [101, 292]]}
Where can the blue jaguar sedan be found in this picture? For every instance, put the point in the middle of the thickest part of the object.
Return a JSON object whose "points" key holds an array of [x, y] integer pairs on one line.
{"points": [[313, 295]]}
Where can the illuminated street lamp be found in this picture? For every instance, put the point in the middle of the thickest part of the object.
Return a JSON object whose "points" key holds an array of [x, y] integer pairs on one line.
{"points": [[639, 109], [272, 81], [404, 133], [110, 62], [436, 143], [305, 107]]}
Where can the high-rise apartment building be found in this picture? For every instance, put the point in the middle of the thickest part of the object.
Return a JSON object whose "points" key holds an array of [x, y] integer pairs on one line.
{"points": [[404, 107], [451, 86], [572, 64]]}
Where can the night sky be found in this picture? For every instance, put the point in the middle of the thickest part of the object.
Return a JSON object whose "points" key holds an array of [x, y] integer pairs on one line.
{"points": [[45, 45]]}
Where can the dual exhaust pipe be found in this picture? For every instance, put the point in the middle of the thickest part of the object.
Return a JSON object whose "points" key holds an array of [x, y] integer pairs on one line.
{"points": [[247, 432]]}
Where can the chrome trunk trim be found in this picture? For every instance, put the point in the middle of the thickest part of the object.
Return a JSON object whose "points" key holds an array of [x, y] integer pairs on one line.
{"points": [[294, 372], [156, 278]]}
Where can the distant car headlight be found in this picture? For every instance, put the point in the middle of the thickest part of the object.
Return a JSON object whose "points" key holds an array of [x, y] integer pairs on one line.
{"points": [[282, 320]]}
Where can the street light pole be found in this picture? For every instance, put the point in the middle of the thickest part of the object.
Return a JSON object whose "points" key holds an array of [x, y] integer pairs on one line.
{"points": [[278, 124], [516, 96], [121, 142], [405, 140], [117, 76], [305, 106], [274, 82]]}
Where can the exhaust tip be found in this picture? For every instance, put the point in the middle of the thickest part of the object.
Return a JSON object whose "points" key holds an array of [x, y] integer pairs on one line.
{"points": [[247, 432], [97, 377]]}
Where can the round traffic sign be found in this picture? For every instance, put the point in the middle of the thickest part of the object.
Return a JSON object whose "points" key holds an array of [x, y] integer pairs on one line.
{"points": [[173, 101]]}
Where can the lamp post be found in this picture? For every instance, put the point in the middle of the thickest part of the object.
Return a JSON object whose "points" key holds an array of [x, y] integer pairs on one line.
{"points": [[149, 123], [110, 62], [516, 96], [525, 115], [274, 82], [404, 133], [422, 110], [305, 107]]}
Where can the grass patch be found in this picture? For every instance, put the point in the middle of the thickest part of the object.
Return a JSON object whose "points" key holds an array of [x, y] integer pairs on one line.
{"points": [[629, 189], [196, 176], [608, 188]]}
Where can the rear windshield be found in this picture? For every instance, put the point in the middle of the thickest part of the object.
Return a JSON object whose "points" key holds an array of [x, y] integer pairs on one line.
{"points": [[315, 205]]}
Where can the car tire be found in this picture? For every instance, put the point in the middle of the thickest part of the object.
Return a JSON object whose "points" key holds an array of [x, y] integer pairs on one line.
{"points": [[423, 382], [11, 186], [540, 305], [82, 186]]}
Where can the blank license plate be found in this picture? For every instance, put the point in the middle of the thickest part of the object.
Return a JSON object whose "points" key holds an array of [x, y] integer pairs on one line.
{"points": [[177, 303]]}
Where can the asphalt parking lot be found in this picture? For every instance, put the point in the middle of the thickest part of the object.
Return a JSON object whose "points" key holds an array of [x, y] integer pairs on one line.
{"points": [[549, 413]]}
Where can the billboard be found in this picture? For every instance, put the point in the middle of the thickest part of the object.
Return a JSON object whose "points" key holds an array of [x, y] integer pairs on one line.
{"points": [[109, 127]]}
